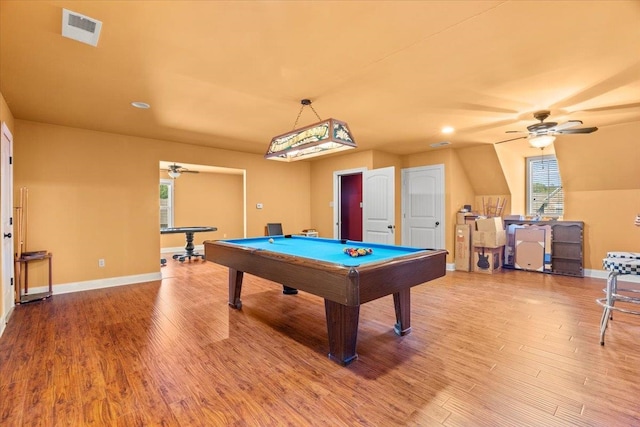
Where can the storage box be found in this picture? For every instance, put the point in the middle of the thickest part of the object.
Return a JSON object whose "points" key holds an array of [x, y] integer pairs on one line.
{"points": [[490, 224], [489, 239], [463, 248], [529, 248], [487, 260]]}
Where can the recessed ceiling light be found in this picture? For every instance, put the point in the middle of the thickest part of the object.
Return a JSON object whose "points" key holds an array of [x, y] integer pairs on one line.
{"points": [[447, 129], [142, 105]]}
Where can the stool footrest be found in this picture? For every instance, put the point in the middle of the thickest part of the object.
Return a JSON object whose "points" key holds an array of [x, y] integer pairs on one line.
{"points": [[618, 264], [603, 302]]}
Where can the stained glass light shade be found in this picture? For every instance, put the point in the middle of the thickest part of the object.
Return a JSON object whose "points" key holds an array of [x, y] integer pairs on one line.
{"points": [[327, 136]]}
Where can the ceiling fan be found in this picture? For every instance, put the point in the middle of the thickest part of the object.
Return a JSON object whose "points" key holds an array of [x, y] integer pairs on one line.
{"points": [[175, 170], [542, 134]]}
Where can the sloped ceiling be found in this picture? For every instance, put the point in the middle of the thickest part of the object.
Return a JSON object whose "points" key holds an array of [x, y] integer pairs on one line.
{"points": [[231, 74]]}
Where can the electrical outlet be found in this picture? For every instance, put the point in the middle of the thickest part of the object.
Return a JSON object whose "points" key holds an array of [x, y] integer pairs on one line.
{"points": [[101, 262]]}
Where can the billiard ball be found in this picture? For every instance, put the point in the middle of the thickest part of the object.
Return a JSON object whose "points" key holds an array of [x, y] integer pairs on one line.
{"points": [[270, 240]]}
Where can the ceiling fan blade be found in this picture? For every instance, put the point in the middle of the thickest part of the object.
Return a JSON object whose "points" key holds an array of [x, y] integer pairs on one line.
{"points": [[516, 131], [580, 130], [613, 107], [512, 139], [567, 125]]}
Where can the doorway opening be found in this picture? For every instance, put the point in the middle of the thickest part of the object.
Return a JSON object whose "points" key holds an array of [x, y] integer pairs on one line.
{"points": [[202, 196], [351, 207], [347, 210]]}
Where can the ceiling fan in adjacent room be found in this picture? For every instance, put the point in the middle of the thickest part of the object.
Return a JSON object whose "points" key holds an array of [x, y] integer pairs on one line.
{"points": [[175, 170], [542, 134]]}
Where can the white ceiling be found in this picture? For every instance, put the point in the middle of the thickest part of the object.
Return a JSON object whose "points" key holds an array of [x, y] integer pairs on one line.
{"points": [[231, 74]]}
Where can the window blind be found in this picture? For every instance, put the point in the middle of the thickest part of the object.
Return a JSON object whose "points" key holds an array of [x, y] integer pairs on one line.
{"points": [[544, 187]]}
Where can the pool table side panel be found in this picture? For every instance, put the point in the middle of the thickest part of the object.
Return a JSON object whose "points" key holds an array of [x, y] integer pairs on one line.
{"points": [[335, 283], [396, 275]]}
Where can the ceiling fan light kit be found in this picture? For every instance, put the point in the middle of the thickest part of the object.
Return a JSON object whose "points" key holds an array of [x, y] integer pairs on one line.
{"points": [[541, 141]]}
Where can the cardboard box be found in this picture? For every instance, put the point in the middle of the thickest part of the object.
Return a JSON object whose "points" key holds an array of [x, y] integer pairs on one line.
{"points": [[487, 260], [490, 224], [489, 239], [462, 252], [530, 248]]}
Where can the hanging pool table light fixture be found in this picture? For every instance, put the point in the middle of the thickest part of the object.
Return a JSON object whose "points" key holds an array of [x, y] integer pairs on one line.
{"points": [[324, 137]]}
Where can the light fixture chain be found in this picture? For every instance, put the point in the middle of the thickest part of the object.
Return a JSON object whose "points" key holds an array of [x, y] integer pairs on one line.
{"points": [[304, 103], [298, 118], [314, 110]]}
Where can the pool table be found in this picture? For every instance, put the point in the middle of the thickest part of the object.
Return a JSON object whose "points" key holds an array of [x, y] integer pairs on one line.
{"points": [[320, 266]]}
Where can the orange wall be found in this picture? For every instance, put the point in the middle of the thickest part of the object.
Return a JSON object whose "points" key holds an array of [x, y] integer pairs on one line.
{"points": [[512, 157], [483, 170], [7, 117], [95, 195], [206, 199], [457, 187], [322, 186], [601, 177], [5, 114]]}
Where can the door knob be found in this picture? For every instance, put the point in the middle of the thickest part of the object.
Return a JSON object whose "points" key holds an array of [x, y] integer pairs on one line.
{"points": [[437, 223], [7, 235]]}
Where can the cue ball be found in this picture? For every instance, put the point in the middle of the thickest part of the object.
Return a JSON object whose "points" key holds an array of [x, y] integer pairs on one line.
{"points": [[270, 240]]}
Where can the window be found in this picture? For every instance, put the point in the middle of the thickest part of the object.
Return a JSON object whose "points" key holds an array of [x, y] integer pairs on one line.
{"points": [[544, 187], [166, 203]]}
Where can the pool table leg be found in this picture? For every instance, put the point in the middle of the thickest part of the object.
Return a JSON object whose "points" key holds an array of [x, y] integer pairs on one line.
{"points": [[342, 325], [402, 303], [235, 287]]}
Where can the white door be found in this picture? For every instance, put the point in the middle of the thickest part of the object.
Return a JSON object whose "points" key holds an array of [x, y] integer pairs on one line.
{"points": [[423, 207], [6, 227], [378, 206]]}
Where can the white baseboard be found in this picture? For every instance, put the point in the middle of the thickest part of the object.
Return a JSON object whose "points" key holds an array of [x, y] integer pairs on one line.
{"points": [[5, 320], [99, 284], [603, 274]]}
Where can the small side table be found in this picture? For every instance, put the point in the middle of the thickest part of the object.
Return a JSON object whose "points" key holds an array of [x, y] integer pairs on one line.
{"points": [[22, 276]]}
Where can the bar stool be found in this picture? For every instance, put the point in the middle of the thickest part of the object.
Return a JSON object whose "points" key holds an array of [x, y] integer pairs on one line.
{"points": [[618, 263]]}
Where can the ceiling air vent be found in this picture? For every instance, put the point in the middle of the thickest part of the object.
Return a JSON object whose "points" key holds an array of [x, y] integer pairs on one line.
{"points": [[440, 144], [81, 28]]}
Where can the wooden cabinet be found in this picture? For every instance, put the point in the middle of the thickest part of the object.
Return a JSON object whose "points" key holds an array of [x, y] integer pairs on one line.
{"points": [[566, 248], [563, 249]]}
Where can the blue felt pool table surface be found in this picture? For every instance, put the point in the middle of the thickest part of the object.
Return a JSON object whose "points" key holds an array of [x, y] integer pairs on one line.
{"points": [[326, 250]]}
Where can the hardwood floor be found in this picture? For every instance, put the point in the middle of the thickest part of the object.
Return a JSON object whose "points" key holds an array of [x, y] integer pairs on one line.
{"points": [[509, 349]]}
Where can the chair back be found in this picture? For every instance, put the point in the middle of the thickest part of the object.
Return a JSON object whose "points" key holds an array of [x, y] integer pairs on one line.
{"points": [[274, 229]]}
